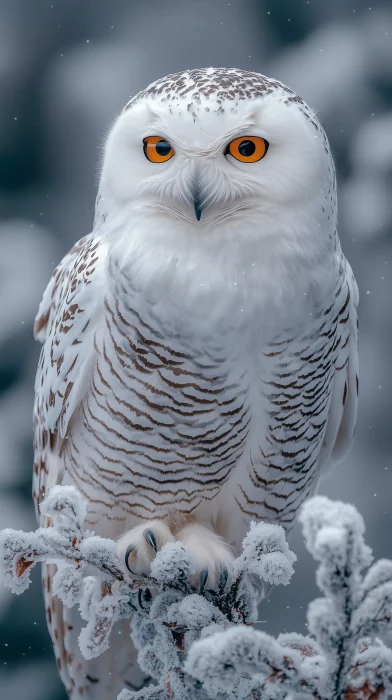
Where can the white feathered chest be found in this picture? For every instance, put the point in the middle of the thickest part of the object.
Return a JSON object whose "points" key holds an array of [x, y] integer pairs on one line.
{"points": [[182, 415], [169, 410]]}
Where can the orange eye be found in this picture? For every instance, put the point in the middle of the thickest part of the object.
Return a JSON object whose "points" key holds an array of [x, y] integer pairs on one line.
{"points": [[248, 149], [157, 149]]}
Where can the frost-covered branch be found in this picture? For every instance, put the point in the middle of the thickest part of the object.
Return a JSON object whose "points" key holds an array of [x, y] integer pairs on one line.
{"points": [[342, 658], [197, 643]]}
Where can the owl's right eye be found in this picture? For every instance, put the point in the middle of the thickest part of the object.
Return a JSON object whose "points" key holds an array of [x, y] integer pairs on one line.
{"points": [[157, 149]]}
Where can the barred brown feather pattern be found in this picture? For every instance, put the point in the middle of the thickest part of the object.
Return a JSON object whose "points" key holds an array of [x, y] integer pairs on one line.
{"points": [[305, 382], [166, 418]]}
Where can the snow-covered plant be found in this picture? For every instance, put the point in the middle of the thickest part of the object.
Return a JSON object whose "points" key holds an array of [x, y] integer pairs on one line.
{"points": [[198, 643], [342, 658]]}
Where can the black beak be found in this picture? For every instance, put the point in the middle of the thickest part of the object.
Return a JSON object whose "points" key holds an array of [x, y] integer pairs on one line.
{"points": [[198, 206], [197, 194]]}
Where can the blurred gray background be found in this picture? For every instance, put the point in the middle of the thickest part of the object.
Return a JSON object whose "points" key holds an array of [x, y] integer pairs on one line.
{"points": [[66, 69]]}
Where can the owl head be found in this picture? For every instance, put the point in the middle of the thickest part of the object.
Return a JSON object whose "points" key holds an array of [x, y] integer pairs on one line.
{"points": [[220, 156]]}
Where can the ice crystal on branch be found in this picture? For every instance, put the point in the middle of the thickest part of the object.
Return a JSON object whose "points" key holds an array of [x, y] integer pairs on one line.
{"points": [[198, 643]]}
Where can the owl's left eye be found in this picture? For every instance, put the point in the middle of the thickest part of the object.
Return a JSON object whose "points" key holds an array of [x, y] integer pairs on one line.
{"points": [[247, 149], [157, 149]]}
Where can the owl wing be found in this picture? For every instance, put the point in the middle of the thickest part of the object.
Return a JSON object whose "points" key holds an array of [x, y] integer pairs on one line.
{"points": [[343, 409], [65, 324], [67, 318], [309, 388]]}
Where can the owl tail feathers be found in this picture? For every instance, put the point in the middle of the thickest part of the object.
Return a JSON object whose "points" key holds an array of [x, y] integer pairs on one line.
{"points": [[54, 618], [97, 679]]}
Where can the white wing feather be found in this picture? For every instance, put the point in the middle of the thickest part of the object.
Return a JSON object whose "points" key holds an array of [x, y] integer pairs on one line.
{"points": [[343, 410], [65, 323]]}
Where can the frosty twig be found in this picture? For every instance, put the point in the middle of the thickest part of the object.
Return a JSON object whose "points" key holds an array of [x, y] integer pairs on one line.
{"points": [[197, 643]]}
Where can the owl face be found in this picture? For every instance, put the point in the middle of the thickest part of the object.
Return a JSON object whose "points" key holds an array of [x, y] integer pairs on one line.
{"points": [[216, 164], [220, 165], [218, 184]]}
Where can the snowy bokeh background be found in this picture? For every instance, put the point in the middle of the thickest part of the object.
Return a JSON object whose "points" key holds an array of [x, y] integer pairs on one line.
{"points": [[66, 69]]}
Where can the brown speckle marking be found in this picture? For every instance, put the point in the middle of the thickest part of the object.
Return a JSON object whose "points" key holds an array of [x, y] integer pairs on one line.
{"points": [[221, 84]]}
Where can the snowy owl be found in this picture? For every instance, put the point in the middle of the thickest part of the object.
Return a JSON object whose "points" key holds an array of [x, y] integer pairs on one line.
{"points": [[199, 365]]}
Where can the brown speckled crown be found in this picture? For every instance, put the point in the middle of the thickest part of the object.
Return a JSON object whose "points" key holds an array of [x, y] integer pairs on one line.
{"points": [[218, 83], [201, 86]]}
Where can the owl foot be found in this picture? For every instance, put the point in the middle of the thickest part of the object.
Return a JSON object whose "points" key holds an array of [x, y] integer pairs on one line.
{"points": [[211, 554], [138, 546]]}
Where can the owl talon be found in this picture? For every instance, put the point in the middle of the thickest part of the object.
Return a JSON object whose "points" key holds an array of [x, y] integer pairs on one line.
{"points": [[139, 546], [151, 539], [212, 557], [128, 552], [203, 579], [224, 575]]}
